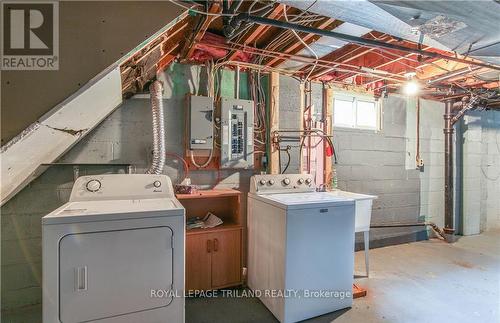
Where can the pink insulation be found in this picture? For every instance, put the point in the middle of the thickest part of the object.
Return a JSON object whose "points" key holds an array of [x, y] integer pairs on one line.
{"points": [[204, 51]]}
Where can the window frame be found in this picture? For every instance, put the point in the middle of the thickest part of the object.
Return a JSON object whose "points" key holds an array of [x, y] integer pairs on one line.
{"points": [[354, 98]]}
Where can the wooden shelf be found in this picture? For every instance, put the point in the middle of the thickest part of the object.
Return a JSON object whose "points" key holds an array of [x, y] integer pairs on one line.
{"points": [[223, 203], [222, 227], [214, 255], [208, 194]]}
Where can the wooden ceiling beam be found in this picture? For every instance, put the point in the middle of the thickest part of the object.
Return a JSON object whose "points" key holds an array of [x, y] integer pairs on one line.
{"points": [[350, 52], [203, 22], [258, 30], [296, 46], [391, 61]]}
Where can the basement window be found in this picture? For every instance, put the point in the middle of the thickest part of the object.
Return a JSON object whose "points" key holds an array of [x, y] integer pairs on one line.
{"points": [[356, 112]]}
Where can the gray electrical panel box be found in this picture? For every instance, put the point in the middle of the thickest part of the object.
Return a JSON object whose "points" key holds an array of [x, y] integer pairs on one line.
{"points": [[236, 133], [201, 114]]}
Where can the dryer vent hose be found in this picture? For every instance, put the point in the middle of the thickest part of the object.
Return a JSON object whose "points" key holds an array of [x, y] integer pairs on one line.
{"points": [[159, 153]]}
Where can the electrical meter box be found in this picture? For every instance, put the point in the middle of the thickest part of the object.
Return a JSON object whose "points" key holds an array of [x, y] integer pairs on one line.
{"points": [[236, 133], [201, 114]]}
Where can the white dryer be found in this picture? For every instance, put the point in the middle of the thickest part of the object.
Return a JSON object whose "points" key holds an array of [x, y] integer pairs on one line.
{"points": [[300, 247], [115, 252]]}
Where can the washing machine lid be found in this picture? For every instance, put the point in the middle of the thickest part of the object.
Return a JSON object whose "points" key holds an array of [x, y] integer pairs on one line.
{"points": [[105, 210], [304, 200]]}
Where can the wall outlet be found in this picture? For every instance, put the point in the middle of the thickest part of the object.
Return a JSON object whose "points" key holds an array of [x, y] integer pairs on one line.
{"points": [[420, 162]]}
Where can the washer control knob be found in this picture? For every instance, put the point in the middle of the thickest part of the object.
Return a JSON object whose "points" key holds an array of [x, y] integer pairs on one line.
{"points": [[156, 184], [286, 181], [308, 181], [93, 185], [301, 181], [271, 182], [262, 182]]}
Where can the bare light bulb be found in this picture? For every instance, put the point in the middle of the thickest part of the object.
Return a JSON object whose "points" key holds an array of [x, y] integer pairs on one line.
{"points": [[411, 87]]}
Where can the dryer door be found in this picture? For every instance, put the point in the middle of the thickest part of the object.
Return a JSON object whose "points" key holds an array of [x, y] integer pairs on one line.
{"points": [[113, 273]]}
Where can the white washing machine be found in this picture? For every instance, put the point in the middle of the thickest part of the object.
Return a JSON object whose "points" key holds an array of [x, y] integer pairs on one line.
{"points": [[300, 247], [115, 252]]}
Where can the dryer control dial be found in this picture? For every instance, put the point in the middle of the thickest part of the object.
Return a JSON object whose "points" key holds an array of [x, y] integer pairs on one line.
{"points": [[93, 185], [271, 182], [286, 181], [308, 181], [262, 182], [301, 181]]}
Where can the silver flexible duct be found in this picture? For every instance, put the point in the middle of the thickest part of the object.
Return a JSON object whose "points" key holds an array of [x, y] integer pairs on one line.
{"points": [[155, 90]]}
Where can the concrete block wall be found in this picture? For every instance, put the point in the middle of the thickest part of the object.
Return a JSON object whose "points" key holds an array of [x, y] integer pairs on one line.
{"points": [[472, 179], [432, 152], [490, 168], [374, 162], [481, 171], [289, 118]]}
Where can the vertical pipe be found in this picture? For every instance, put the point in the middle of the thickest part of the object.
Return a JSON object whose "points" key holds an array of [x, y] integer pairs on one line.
{"points": [[417, 155], [237, 81], [448, 169], [309, 108]]}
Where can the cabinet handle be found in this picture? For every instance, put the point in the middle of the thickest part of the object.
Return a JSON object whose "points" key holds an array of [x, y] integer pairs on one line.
{"points": [[209, 246], [216, 245]]}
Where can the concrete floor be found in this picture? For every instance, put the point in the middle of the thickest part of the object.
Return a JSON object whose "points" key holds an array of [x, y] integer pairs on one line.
{"points": [[428, 281]]}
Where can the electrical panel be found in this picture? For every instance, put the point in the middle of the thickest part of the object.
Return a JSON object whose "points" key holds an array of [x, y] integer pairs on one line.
{"points": [[201, 109], [236, 133]]}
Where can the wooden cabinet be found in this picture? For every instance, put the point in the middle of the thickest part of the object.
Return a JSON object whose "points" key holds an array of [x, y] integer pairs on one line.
{"points": [[214, 255], [213, 260], [198, 262], [226, 258]]}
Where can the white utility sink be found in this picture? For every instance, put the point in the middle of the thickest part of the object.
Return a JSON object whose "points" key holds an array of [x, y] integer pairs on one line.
{"points": [[363, 208], [363, 215]]}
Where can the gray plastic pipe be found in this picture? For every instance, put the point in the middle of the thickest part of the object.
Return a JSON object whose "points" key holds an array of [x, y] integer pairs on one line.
{"points": [[155, 91]]}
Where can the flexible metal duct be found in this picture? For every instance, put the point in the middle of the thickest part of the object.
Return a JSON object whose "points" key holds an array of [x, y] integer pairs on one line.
{"points": [[159, 156]]}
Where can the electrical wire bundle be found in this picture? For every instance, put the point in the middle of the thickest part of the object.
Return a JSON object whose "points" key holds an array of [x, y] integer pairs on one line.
{"points": [[259, 99]]}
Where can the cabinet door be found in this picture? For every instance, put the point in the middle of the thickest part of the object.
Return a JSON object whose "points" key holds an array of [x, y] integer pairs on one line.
{"points": [[199, 248], [226, 258]]}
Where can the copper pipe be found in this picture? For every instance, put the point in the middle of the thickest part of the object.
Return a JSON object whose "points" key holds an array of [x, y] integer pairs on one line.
{"points": [[417, 155]]}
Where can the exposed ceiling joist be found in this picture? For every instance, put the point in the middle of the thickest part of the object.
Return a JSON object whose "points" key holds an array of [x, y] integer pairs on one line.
{"points": [[359, 40], [258, 30], [295, 46], [202, 24]]}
